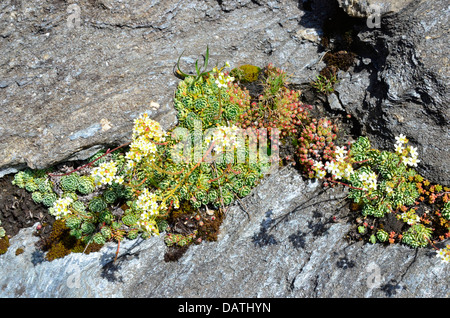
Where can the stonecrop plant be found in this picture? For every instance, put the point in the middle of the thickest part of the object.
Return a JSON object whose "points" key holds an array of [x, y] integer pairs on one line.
{"points": [[383, 183], [277, 108], [205, 162], [226, 140], [202, 161]]}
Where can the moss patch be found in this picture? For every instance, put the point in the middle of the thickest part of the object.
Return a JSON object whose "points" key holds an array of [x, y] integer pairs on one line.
{"points": [[246, 73], [188, 226], [19, 251], [61, 243], [4, 244]]}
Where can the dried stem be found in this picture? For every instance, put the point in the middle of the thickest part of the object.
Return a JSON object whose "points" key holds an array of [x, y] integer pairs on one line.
{"points": [[89, 163]]}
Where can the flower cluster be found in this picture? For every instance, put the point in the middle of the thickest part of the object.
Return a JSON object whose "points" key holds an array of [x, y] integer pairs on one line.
{"points": [[106, 174], [369, 180], [60, 207], [316, 143], [148, 226], [148, 206], [403, 151], [444, 254], [145, 126], [225, 138], [147, 133], [222, 78], [338, 168], [410, 217], [147, 203]]}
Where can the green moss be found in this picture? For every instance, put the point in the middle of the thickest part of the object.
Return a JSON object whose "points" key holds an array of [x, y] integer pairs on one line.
{"points": [[342, 60], [246, 73], [61, 243], [58, 250], [19, 251], [4, 244]]}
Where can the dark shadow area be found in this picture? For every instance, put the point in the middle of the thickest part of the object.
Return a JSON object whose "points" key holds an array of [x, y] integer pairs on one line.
{"points": [[297, 239], [110, 271], [317, 227], [263, 238], [390, 289], [345, 263]]}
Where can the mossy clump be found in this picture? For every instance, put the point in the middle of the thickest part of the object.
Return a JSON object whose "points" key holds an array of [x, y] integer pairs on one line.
{"points": [[61, 243], [246, 73], [19, 251], [209, 230], [4, 244], [342, 60]]}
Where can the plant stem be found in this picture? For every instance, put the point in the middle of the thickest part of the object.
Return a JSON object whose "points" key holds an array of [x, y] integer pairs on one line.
{"points": [[117, 251], [190, 172], [344, 184], [89, 163]]}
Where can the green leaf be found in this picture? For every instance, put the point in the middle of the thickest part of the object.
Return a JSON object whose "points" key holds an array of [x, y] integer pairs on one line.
{"points": [[178, 66], [205, 64]]}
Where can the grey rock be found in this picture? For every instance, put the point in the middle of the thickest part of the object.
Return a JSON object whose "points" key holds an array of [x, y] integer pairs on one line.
{"points": [[282, 242], [86, 84], [404, 90], [334, 102], [108, 60]]}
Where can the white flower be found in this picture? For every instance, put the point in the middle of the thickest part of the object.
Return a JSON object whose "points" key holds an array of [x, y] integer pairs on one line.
{"points": [[372, 176], [131, 164], [119, 179], [147, 203], [61, 207], [225, 137], [105, 173], [222, 80], [413, 161], [444, 255], [410, 218], [340, 151], [340, 158], [320, 174], [399, 148], [401, 139], [389, 190], [363, 177], [107, 180], [338, 174], [413, 151], [317, 165], [148, 226], [348, 171], [332, 167], [372, 185], [369, 180], [220, 84]]}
